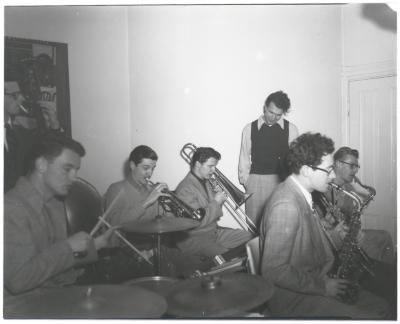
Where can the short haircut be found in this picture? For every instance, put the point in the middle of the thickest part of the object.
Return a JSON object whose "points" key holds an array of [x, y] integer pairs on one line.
{"points": [[50, 146], [308, 149], [343, 151], [142, 152], [280, 99], [202, 154]]}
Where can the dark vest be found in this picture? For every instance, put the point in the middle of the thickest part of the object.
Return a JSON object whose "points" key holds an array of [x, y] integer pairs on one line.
{"points": [[269, 147]]}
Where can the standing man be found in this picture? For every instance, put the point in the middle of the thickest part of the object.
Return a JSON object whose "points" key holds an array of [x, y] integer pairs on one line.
{"points": [[37, 249], [265, 143], [208, 239], [295, 251]]}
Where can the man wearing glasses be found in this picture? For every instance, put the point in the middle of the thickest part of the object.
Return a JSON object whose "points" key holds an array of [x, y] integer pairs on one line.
{"points": [[21, 129], [264, 146], [377, 244], [296, 253]]}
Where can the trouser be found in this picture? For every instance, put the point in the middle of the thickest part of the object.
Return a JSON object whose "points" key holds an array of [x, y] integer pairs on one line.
{"points": [[214, 242], [382, 283], [260, 186], [368, 306], [378, 245]]}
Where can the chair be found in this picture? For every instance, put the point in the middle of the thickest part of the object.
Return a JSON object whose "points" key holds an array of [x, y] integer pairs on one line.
{"points": [[83, 206], [253, 255]]}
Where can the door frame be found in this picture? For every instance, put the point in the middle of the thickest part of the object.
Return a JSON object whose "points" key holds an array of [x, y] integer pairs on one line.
{"points": [[358, 73]]}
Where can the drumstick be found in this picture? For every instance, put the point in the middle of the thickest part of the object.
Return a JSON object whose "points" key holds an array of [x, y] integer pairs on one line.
{"points": [[101, 219], [105, 214]]}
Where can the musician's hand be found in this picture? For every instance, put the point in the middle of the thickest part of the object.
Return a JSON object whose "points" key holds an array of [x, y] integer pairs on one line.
{"points": [[335, 287], [220, 197], [103, 240], [155, 194], [330, 219], [342, 229], [79, 242], [49, 111]]}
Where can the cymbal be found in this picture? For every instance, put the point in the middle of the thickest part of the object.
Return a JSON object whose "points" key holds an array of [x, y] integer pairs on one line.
{"points": [[160, 225], [218, 296], [97, 301]]}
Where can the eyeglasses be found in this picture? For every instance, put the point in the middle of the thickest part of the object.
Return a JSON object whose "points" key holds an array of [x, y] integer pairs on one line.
{"points": [[352, 165], [328, 172]]}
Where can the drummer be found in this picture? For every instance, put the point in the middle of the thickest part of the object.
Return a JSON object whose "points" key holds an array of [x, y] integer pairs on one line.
{"points": [[37, 250]]}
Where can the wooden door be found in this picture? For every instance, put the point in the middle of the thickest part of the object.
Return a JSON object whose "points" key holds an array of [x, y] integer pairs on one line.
{"points": [[372, 130]]}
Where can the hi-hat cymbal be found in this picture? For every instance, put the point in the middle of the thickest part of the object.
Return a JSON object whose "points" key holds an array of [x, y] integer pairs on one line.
{"points": [[160, 225], [218, 296], [80, 302]]}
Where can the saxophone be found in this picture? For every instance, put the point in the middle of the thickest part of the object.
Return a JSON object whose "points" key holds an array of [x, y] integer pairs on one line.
{"points": [[352, 262]]}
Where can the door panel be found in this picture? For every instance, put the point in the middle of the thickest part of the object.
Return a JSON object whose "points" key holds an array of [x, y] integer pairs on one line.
{"points": [[372, 130]]}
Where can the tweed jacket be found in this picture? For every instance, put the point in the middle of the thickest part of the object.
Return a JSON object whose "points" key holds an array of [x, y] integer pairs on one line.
{"points": [[295, 253], [36, 253], [191, 191]]}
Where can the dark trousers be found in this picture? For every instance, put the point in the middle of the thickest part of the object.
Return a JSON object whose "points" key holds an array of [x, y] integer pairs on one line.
{"points": [[383, 283]]}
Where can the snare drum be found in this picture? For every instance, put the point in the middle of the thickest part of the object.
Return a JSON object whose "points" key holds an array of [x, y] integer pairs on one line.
{"points": [[157, 284]]}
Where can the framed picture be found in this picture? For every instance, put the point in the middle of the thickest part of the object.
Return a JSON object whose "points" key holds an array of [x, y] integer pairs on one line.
{"points": [[41, 70]]}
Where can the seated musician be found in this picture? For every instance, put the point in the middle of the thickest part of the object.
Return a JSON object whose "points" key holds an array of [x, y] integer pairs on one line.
{"points": [[295, 251], [377, 244], [208, 239], [37, 249], [136, 199]]}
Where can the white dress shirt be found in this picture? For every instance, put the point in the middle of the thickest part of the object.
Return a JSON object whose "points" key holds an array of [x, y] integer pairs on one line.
{"points": [[245, 149]]}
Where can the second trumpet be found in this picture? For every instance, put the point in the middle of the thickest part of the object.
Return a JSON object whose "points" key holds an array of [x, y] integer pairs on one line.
{"points": [[173, 204]]}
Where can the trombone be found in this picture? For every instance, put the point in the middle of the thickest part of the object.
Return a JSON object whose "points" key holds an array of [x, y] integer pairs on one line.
{"points": [[235, 197]]}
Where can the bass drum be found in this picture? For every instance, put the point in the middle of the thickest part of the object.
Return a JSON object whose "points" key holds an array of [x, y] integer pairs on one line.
{"points": [[158, 284]]}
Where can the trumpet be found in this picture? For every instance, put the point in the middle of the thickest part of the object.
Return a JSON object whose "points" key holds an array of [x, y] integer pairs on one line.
{"points": [[176, 206], [235, 197]]}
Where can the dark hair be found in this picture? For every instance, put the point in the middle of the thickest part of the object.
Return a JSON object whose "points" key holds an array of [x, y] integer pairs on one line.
{"points": [[202, 154], [343, 151], [50, 146], [142, 152], [280, 99], [308, 149]]}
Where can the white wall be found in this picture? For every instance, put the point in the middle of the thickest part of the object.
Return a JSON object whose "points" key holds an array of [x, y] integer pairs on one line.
{"points": [[167, 75], [368, 34], [200, 73], [369, 64], [98, 76]]}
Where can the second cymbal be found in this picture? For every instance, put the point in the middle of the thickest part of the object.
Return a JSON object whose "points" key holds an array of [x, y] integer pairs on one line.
{"points": [[218, 296]]}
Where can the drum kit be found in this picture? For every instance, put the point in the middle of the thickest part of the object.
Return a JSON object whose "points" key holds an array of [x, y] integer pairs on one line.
{"points": [[222, 295]]}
